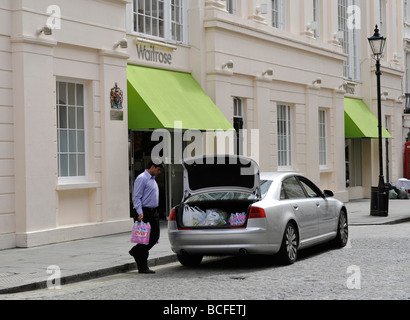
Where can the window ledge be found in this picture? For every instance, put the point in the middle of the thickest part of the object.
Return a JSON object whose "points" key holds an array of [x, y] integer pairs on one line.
{"points": [[77, 186], [285, 169]]}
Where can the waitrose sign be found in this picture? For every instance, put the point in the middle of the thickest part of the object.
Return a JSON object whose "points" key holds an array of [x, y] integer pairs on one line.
{"points": [[150, 54]]}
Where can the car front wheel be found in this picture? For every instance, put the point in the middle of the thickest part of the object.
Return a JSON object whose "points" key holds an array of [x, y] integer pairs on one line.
{"points": [[289, 249]]}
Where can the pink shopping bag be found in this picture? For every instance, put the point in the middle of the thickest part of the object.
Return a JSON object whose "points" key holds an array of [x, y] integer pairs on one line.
{"points": [[140, 232]]}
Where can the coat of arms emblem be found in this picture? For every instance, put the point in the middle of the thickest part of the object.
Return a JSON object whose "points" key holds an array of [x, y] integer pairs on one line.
{"points": [[116, 97]]}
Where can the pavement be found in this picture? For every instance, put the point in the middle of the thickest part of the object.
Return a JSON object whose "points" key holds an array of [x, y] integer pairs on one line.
{"points": [[25, 269]]}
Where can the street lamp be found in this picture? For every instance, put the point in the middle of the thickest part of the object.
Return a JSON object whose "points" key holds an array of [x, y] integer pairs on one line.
{"points": [[377, 43]]}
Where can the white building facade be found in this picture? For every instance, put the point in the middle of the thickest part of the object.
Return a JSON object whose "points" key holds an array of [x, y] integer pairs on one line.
{"points": [[281, 70], [406, 81]]}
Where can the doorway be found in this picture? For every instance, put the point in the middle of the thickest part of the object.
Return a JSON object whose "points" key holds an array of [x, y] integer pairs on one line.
{"points": [[170, 181]]}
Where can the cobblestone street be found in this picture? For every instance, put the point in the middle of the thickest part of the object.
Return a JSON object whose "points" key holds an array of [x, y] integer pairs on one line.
{"points": [[374, 265]]}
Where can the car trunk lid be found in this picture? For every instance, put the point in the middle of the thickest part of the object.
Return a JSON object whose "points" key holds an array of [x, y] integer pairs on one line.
{"points": [[216, 173]]}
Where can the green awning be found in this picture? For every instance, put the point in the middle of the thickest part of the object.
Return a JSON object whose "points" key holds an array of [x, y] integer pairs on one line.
{"points": [[360, 121], [157, 98]]}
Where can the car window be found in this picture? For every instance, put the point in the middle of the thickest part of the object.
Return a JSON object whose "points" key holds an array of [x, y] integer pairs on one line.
{"points": [[282, 193], [230, 195], [265, 184], [292, 189], [310, 188]]}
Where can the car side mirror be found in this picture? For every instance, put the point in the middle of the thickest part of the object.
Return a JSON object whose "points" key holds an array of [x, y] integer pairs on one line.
{"points": [[328, 193]]}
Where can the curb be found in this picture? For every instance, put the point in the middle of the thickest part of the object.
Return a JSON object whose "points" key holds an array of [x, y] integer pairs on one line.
{"points": [[89, 275], [397, 221]]}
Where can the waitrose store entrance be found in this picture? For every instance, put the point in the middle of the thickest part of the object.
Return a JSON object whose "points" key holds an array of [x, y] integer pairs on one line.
{"points": [[174, 103]]}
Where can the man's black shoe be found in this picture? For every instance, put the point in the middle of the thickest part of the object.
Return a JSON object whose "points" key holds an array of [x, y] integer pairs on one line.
{"points": [[146, 271]]}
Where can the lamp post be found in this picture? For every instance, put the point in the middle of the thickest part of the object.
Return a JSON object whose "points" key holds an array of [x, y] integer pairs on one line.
{"points": [[377, 43]]}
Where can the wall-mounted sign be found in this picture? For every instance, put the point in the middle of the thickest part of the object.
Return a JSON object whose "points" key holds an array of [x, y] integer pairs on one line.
{"points": [[116, 115], [116, 98], [152, 55]]}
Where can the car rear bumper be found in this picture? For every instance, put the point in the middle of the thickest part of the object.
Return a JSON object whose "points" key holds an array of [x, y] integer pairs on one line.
{"points": [[251, 240]]}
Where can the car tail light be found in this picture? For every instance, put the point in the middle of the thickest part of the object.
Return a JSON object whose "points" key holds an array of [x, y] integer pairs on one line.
{"points": [[256, 212], [172, 216]]}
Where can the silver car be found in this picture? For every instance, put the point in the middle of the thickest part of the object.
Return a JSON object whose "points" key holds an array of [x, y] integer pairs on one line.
{"points": [[230, 208]]}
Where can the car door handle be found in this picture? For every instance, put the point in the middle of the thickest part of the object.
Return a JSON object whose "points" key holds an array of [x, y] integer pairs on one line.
{"points": [[318, 204], [295, 206]]}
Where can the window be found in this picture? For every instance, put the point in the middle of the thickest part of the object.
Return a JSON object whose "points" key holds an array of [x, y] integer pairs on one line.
{"points": [[284, 136], [238, 124], [278, 14], [71, 129], [349, 33], [407, 69], [322, 139], [176, 20], [160, 19], [149, 17], [311, 189], [316, 19], [231, 6], [291, 189], [382, 28], [265, 185]]}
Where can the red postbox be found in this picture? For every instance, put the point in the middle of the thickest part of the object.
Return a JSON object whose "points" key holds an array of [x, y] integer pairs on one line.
{"points": [[407, 160]]}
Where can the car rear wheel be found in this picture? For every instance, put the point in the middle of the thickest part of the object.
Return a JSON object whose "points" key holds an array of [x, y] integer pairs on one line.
{"points": [[289, 249], [342, 230], [188, 260]]}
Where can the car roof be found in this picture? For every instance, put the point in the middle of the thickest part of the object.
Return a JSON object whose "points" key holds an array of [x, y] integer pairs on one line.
{"points": [[276, 175]]}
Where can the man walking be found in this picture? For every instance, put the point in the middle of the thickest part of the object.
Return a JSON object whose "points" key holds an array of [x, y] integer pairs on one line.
{"points": [[146, 200]]}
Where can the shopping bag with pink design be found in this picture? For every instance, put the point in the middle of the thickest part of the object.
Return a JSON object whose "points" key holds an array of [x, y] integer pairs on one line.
{"points": [[140, 232]]}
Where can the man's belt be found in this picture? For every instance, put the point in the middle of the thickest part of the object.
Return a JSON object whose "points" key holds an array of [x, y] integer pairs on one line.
{"points": [[151, 210]]}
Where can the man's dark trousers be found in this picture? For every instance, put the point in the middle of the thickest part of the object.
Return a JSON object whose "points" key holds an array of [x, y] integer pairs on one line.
{"points": [[141, 251]]}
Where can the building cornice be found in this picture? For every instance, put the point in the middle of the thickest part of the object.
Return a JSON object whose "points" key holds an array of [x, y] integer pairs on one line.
{"points": [[389, 69], [34, 40], [280, 37], [118, 1], [114, 54]]}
